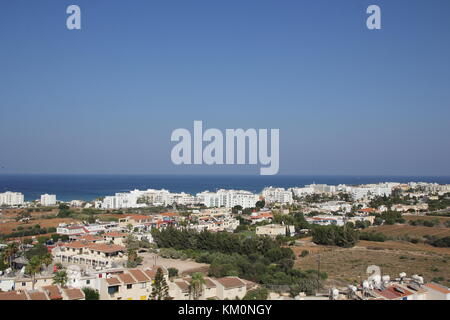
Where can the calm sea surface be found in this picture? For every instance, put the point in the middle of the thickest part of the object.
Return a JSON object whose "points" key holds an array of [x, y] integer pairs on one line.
{"points": [[89, 187]]}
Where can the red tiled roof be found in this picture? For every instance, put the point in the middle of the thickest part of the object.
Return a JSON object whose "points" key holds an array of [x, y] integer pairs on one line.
{"points": [[231, 282], [209, 283], [183, 285], [367, 210], [76, 244], [391, 292], [437, 287], [89, 237], [116, 234], [126, 278], [150, 273], [13, 295], [74, 294], [109, 248], [139, 275], [37, 295], [170, 214], [113, 281], [53, 292]]}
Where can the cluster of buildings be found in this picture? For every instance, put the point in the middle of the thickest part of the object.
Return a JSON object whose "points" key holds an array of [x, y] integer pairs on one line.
{"points": [[277, 195], [356, 192], [327, 220], [50, 292], [118, 284], [378, 287], [14, 199], [11, 199], [139, 199], [213, 220], [231, 198]]}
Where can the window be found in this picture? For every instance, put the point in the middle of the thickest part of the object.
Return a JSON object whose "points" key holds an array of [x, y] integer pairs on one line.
{"points": [[24, 284], [88, 281], [113, 289], [129, 286], [143, 285]]}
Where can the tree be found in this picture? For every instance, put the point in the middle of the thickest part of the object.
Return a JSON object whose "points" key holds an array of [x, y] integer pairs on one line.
{"points": [[236, 209], [33, 267], [257, 294], [335, 236], [133, 258], [47, 259], [90, 294], [173, 272], [10, 252], [260, 204], [196, 285], [160, 289], [60, 278]]}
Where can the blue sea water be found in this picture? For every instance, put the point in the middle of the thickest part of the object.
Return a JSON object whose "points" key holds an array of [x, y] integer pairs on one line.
{"points": [[89, 187]]}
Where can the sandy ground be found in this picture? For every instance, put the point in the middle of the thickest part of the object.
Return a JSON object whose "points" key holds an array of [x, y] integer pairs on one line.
{"points": [[183, 266]]}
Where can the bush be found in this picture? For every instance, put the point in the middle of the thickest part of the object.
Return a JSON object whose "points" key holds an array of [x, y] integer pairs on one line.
{"points": [[304, 253], [91, 294], [257, 294], [335, 236], [372, 236], [173, 272]]}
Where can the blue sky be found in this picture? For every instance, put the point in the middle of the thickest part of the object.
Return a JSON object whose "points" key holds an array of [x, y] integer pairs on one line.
{"points": [[106, 99]]}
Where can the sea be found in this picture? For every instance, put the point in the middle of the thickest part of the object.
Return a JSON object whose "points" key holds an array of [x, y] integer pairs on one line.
{"points": [[90, 187]]}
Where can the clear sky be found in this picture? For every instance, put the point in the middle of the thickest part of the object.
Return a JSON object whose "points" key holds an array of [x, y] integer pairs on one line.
{"points": [[106, 99]]}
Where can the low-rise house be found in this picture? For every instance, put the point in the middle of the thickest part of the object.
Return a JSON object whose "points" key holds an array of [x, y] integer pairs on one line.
{"points": [[134, 220], [274, 230], [179, 290], [325, 220], [6, 283], [230, 287], [52, 292], [22, 283], [437, 292], [92, 254], [135, 284], [115, 237]]}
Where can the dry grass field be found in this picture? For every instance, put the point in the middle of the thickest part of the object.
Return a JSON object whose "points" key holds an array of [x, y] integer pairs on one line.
{"points": [[397, 231], [8, 227], [349, 265]]}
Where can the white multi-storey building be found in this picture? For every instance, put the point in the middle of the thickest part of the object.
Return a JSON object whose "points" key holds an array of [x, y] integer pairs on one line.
{"points": [[228, 198], [48, 200], [279, 195], [371, 191], [11, 199], [321, 188]]}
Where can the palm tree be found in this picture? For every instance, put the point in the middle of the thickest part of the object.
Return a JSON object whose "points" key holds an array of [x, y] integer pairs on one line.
{"points": [[10, 252], [47, 259], [60, 278], [196, 285], [33, 267]]}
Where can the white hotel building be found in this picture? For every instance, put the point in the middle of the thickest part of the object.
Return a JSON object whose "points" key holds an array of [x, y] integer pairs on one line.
{"points": [[277, 195], [48, 200], [11, 199], [228, 198]]}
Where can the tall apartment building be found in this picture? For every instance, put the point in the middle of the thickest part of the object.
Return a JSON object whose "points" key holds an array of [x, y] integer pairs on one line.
{"points": [[48, 200], [279, 195], [228, 198], [11, 199]]}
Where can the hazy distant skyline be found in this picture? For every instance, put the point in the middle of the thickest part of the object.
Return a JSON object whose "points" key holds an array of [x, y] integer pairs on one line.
{"points": [[105, 99]]}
